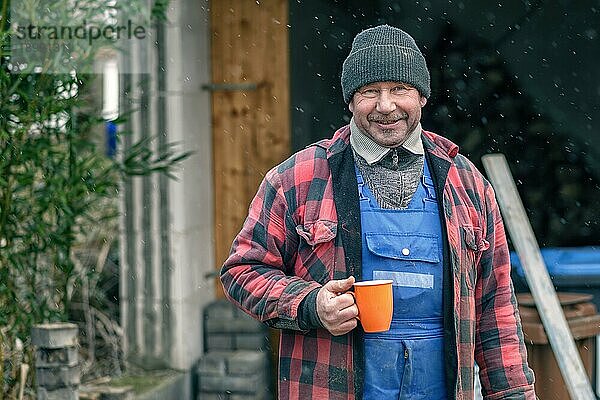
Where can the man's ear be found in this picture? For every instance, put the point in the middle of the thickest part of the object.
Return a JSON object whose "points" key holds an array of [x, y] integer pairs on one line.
{"points": [[423, 101], [351, 106]]}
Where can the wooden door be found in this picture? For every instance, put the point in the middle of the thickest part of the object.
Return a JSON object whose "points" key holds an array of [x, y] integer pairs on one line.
{"points": [[250, 106]]}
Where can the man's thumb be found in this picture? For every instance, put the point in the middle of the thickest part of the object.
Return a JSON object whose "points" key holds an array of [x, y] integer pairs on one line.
{"points": [[341, 285]]}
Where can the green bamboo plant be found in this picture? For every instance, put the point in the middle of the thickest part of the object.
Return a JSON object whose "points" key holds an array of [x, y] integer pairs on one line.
{"points": [[54, 181]]}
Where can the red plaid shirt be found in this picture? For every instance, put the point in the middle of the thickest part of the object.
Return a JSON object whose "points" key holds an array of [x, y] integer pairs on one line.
{"points": [[303, 229]]}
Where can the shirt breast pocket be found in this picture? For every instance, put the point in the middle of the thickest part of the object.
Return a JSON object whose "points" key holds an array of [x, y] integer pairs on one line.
{"points": [[316, 250], [473, 244]]}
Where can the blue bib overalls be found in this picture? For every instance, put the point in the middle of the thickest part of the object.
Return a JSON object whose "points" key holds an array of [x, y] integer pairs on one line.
{"points": [[406, 362]]}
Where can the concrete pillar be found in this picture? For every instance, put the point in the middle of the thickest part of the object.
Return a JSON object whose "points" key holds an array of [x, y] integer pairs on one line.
{"points": [[166, 227]]}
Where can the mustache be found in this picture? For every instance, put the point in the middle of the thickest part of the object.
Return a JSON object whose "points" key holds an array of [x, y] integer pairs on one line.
{"points": [[386, 119]]}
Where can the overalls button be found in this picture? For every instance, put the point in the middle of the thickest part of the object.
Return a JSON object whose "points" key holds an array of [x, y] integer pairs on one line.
{"points": [[405, 251]]}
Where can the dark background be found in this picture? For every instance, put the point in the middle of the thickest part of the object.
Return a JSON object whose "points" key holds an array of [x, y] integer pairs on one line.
{"points": [[513, 77]]}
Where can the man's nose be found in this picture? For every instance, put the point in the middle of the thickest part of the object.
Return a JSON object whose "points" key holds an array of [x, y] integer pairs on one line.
{"points": [[385, 102]]}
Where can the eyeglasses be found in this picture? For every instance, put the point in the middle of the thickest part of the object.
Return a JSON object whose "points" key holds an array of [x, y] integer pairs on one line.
{"points": [[396, 91]]}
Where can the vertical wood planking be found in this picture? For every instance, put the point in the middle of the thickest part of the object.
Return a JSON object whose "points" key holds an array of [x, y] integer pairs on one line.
{"points": [[251, 128]]}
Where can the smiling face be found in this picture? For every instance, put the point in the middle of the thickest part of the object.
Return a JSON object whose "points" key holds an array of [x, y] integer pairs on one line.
{"points": [[387, 111]]}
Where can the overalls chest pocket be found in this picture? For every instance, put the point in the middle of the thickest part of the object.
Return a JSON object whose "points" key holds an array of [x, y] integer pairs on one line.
{"points": [[411, 261]]}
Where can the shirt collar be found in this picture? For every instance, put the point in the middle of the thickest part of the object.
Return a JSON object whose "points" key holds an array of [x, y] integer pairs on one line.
{"points": [[373, 152]]}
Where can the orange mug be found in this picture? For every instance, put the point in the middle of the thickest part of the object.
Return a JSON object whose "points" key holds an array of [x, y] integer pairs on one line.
{"points": [[375, 304]]}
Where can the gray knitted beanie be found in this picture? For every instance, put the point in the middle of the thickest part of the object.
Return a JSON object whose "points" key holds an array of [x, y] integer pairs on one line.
{"points": [[384, 53]]}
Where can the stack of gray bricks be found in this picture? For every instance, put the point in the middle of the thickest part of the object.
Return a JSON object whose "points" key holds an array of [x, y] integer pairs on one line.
{"points": [[235, 365], [56, 361]]}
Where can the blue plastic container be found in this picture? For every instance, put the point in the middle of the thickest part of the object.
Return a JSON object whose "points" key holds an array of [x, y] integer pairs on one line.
{"points": [[572, 269]]}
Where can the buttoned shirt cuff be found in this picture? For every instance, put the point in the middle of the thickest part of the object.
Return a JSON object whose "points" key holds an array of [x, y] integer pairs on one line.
{"points": [[307, 312]]}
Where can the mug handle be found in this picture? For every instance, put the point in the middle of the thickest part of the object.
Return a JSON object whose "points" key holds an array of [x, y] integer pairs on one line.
{"points": [[354, 295]]}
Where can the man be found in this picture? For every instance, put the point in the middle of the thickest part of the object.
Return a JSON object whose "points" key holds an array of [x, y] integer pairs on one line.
{"points": [[382, 199]]}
